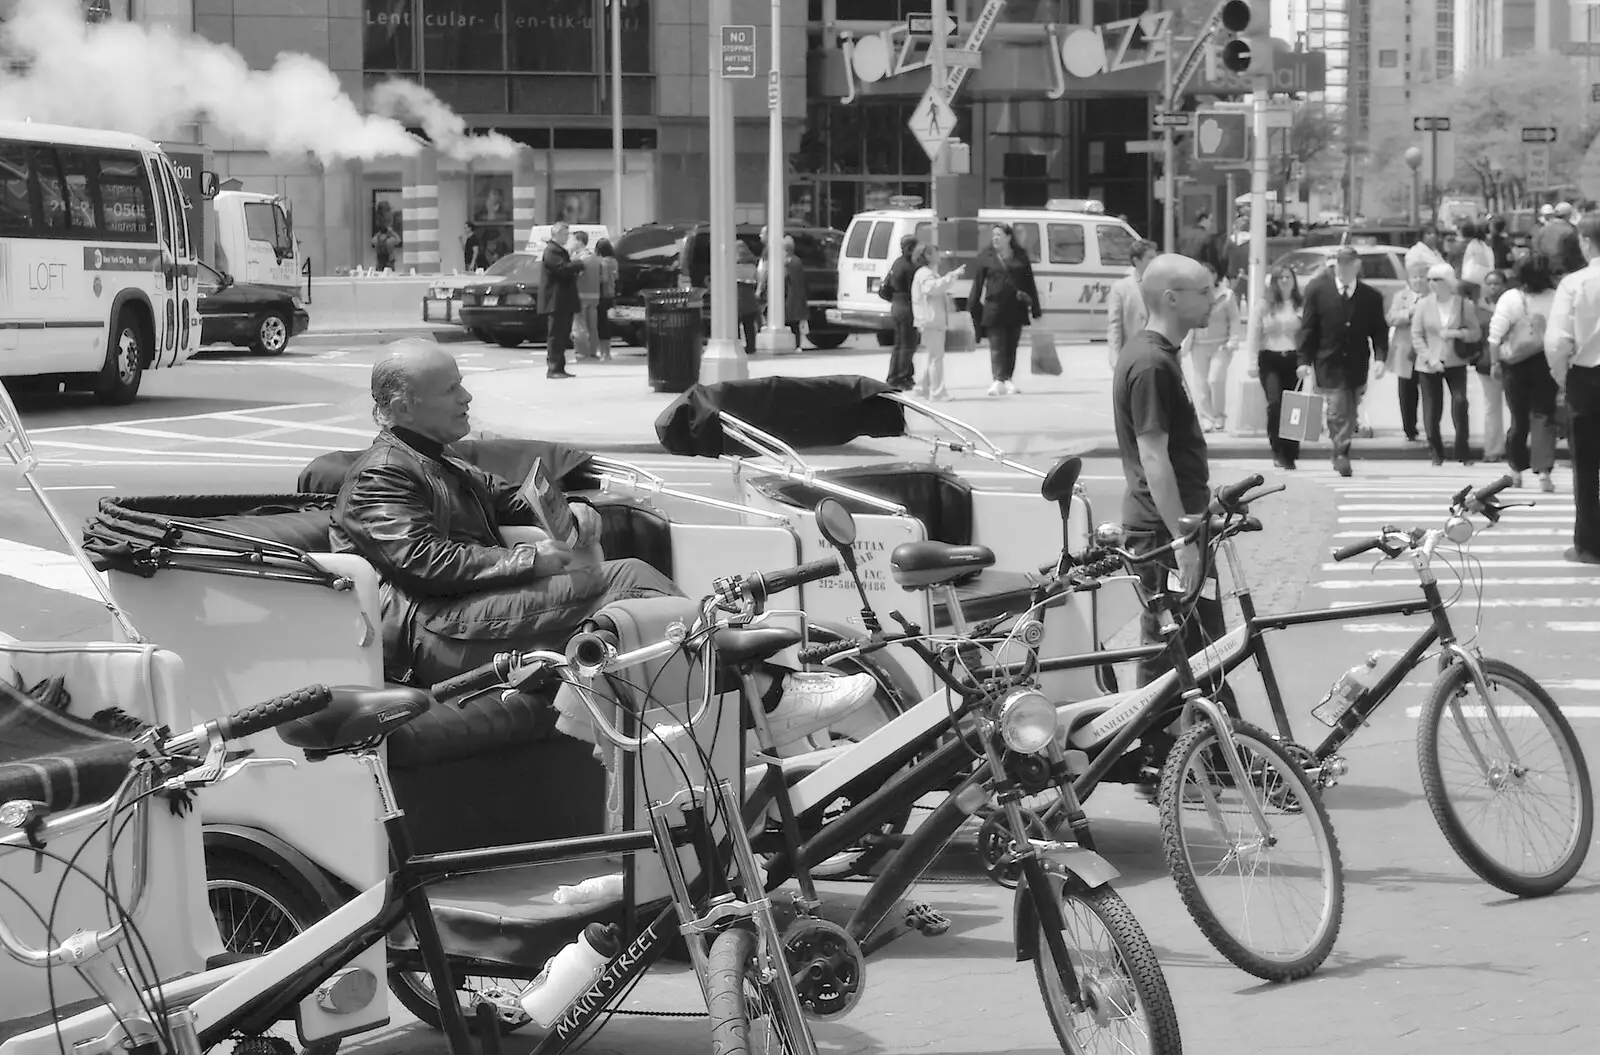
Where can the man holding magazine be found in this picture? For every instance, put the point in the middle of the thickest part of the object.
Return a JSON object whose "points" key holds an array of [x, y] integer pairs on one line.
{"points": [[454, 593]]}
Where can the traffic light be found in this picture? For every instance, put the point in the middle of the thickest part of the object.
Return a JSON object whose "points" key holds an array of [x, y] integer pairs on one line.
{"points": [[1222, 136], [1250, 22]]}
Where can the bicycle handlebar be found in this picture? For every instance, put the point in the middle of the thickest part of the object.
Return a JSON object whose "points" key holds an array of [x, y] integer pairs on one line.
{"points": [[1465, 501]]}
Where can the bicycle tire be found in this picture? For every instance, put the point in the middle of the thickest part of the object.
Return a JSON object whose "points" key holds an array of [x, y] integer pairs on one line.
{"points": [[1137, 954], [1271, 968], [730, 963], [1455, 679]]}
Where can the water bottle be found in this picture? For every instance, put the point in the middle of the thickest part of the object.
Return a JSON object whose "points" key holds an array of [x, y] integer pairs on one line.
{"points": [[596, 888], [570, 973], [1351, 684]]}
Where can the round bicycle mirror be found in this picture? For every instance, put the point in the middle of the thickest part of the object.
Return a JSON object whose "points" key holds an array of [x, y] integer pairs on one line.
{"points": [[1458, 530], [1060, 480], [838, 526]]}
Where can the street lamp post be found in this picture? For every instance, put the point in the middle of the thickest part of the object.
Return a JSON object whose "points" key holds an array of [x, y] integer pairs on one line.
{"points": [[775, 337], [724, 358], [616, 116], [1413, 157]]}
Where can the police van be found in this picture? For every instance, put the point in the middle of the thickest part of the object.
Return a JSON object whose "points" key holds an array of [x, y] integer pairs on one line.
{"points": [[1076, 249]]}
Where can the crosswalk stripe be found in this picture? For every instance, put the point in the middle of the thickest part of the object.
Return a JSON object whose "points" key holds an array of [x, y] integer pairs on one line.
{"points": [[44, 567], [1515, 710], [1590, 581], [1397, 568]]}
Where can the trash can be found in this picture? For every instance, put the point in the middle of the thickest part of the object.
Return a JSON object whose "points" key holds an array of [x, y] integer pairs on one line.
{"points": [[673, 340]]}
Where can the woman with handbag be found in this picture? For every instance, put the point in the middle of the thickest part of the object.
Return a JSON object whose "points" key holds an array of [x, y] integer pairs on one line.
{"points": [[1005, 289], [1276, 358], [1402, 356], [1443, 326], [1516, 339], [1494, 397]]}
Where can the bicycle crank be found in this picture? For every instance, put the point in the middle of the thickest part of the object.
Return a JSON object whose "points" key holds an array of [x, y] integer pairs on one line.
{"points": [[829, 969]]}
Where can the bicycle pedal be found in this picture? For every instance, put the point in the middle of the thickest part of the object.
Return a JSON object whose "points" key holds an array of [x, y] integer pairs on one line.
{"points": [[923, 917]]}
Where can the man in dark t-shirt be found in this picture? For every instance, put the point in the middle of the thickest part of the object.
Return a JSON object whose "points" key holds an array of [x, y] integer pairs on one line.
{"points": [[1163, 450]]}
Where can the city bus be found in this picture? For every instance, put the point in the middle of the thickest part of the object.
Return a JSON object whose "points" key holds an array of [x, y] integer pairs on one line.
{"points": [[98, 274]]}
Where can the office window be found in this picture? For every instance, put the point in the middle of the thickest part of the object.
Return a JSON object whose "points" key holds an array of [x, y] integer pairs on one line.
{"points": [[1388, 58]]}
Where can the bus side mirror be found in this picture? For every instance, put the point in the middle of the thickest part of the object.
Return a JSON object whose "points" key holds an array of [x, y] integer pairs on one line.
{"points": [[208, 184]]}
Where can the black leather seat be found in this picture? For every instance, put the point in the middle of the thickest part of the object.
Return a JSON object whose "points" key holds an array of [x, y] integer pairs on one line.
{"points": [[753, 644], [920, 565], [355, 716]]}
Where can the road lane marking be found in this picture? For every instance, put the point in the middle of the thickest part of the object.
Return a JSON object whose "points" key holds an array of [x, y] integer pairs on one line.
{"points": [[45, 567], [1506, 602], [1591, 581], [58, 463], [1499, 533], [186, 437], [1406, 569], [1515, 710], [162, 453], [181, 417], [72, 487], [251, 419], [1573, 628]]}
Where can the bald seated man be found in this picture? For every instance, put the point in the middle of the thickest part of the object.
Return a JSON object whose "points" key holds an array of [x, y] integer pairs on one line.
{"points": [[453, 593], [1163, 448]]}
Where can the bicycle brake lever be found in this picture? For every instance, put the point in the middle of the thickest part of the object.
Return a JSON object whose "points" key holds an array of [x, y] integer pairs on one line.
{"points": [[229, 772]]}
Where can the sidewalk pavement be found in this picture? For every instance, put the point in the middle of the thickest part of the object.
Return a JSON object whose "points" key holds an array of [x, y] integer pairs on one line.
{"points": [[610, 407]]}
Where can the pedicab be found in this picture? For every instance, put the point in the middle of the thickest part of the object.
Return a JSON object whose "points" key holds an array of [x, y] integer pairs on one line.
{"points": [[220, 600]]}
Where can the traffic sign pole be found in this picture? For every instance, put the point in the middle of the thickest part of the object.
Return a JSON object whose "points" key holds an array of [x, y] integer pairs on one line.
{"points": [[1260, 90], [724, 359], [937, 71], [776, 337], [1169, 161]]}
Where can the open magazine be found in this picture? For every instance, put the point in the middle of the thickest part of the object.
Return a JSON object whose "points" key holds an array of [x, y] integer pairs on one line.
{"points": [[550, 507]]}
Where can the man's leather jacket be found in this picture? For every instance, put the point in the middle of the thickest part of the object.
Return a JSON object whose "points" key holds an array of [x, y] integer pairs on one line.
{"points": [[430, 532]]}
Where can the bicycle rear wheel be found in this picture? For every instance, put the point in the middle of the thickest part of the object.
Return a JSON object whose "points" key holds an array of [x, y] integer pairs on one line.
{"points": [[738, 1002], [1500, 780], [1219, 859]]}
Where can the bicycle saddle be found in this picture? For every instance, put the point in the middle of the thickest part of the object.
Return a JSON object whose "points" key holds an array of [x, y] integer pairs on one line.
{"points": [[355, 716], [919, 565], [746, 645], [1192, 521]]}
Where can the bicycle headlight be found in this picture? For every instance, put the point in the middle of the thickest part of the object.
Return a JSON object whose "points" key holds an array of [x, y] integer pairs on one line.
{"points": [[1027, 721]]}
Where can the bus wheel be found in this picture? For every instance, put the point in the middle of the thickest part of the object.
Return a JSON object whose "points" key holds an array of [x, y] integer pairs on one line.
{"points": [[118, 381]]}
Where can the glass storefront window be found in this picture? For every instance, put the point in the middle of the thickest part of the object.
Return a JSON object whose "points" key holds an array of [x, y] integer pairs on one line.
{"points": [[389, 36], [463, 35], [523, 36], [553, 36]]}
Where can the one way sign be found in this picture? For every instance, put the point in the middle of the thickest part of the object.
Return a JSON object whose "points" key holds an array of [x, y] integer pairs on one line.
{"points": [[1538, 134]]}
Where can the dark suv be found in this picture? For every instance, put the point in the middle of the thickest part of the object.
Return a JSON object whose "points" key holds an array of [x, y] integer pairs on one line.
{"points": [[651, 256]]}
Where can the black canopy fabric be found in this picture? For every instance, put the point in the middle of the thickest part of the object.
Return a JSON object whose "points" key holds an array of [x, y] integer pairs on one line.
{"points": [[804, 412], [141, 534]]}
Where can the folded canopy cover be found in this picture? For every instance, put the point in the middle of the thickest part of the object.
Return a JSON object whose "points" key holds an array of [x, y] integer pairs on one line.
{"points": [[804, 412]]}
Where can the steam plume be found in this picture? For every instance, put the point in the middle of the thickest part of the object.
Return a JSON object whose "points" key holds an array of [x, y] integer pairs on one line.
{"points": [[149, 80]]}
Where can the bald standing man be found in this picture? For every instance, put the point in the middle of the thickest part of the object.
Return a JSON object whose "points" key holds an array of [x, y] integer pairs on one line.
{"points": [[453, 593], [1163, 449]]}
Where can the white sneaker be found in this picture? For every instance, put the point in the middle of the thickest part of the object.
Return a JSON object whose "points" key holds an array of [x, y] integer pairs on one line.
{"points": [[1010, 388], [814, 700], [997, 389]]}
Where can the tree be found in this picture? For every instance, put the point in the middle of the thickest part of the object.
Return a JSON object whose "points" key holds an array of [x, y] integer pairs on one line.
{"points": [[1491, 105], [1312, 137]]}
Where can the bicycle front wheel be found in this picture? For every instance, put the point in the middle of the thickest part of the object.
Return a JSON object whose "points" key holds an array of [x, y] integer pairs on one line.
{"points": [[1270, 902], [1129, 1009], [1506, 779], [740, 1003]]}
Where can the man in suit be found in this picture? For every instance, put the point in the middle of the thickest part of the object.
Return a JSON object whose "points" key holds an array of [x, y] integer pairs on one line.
{"points": [[1343, 325], [1125, 311], [559, 300]]}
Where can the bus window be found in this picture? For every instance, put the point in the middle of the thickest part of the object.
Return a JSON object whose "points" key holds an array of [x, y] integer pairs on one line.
{"points": [[180, 217], [52, 195], [75, 173], [16, 211], [125, 197]]}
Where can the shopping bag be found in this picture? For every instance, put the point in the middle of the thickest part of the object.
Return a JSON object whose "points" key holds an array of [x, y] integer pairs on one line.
{"points": [[1302, 416], [1251, 417], [1045, 360]]}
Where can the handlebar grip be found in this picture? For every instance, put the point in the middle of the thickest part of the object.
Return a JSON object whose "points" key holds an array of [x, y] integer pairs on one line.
{"points": [[1355, 549], [476, 680], [766, 584], [591, 649], [817, 654], [263, 716], [1488, 491], [1230, 495]]}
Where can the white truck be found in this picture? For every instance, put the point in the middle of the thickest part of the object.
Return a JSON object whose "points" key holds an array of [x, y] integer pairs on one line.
{"points": [[247, 234]]}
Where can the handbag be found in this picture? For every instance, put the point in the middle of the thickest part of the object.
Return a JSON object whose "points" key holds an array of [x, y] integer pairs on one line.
{"points": [[1044, 357], [1467, 351], [1526, 338], [1301, 416]]}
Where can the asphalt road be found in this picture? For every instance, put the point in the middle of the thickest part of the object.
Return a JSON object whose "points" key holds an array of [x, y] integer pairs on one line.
{"points": [[1430, 959]]}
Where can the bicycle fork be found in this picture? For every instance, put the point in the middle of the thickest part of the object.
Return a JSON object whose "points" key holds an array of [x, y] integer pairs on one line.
{"points": [[1218, 717]]}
